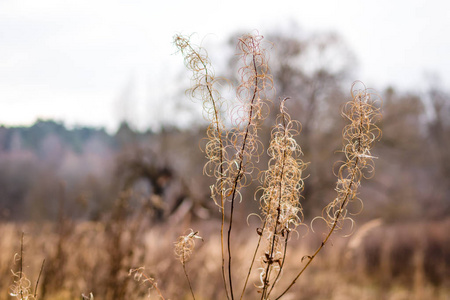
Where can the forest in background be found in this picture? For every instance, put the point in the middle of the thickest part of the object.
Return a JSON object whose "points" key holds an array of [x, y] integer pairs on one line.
{"points": [[53, 175]]}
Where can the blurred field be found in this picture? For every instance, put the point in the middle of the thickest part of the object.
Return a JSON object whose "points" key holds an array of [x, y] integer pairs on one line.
{"points": [[406, 261]]}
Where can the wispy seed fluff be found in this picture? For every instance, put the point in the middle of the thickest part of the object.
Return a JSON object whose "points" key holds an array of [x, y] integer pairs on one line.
{"points": [[282, 185], [185, 245], [362, 112], [251, 110], [203, 88]]}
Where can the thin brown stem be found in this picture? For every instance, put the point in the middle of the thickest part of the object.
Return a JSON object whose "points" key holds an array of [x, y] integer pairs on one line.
{"points": [[239, 175], [154, 285], [21, 263], [216, 123], [253, 259], [282, 264], [311, 258], [222, 203], [188, 280], [37, 281], [335, 222]]}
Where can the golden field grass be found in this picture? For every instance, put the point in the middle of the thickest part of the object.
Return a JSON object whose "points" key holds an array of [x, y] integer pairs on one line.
{"points": [[403, 261]]}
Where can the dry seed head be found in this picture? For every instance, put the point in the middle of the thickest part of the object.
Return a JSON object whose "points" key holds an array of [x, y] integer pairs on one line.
{"points": [[255, 83], [185, 245], [139, 275], [283, 180], [359, 136], [203, 88], [203, 80], [21, 287], [282, 184]]}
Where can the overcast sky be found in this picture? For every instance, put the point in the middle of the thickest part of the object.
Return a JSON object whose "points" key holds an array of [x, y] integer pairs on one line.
{"points": [[74, 60]]}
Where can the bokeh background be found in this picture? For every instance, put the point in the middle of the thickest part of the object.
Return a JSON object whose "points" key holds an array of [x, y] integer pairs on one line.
{"points": [[100, 164]]}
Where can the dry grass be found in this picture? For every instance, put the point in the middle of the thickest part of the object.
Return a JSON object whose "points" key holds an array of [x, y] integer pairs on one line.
{"points": [[372, 270]]}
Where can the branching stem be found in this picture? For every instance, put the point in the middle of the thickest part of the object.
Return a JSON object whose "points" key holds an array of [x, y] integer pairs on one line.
{"points": [[336, 220], [343, 204]]}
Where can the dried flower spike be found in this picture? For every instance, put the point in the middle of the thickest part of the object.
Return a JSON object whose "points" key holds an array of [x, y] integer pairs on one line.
{"points": [[184, 246]]}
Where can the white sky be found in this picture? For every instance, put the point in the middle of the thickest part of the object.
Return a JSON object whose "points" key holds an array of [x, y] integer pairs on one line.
{"points": [[74, 60]]}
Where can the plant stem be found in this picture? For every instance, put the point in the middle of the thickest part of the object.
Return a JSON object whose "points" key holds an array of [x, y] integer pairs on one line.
{"points": [[253, 260], [335, 222], [282, 264], [344, 202], [39, 277], [221, 159], [21, 264], [270, 260], [189, 282], [239, 175]]}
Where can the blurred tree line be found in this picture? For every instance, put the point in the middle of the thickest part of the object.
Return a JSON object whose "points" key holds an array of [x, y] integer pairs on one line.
{"points": [[31, 138], [46, 168], [47, 164]]}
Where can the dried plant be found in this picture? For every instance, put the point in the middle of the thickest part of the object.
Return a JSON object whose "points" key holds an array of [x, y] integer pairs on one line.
{"points": [[183, 250], [280, 201], [139, 275], [255, 83], [89, 297], [232, 153], [203, 87], [362, 112], [21, 288]]}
